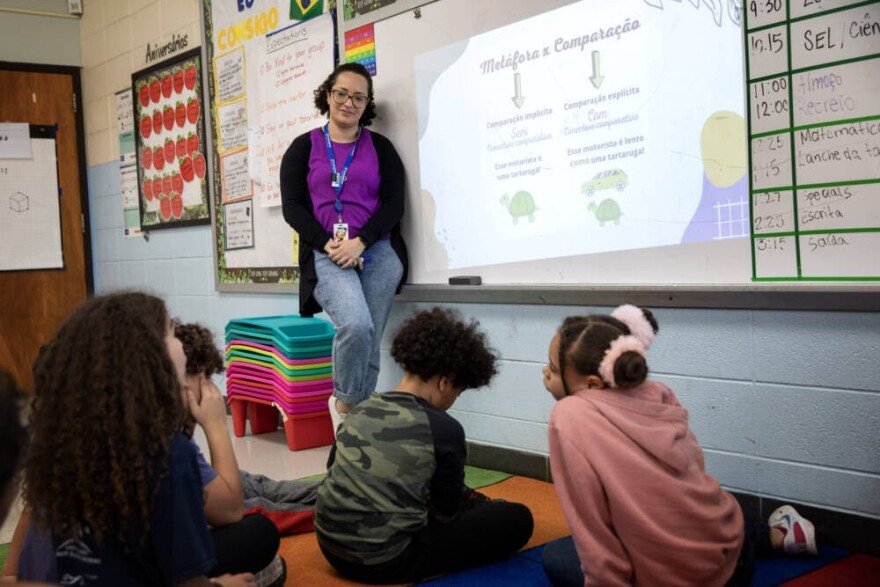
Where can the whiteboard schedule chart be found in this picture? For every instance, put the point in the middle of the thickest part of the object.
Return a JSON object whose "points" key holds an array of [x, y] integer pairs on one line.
{"points": [[814, 139]]}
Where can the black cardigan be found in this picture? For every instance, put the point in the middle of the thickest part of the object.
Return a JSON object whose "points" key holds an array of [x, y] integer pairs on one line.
{"points": [[296, 205]]}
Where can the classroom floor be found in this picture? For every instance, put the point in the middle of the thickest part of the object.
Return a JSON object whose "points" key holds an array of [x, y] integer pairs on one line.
{"points": [[267, 454]]}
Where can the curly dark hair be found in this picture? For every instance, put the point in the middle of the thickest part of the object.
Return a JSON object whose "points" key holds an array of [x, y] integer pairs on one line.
{"points": [[13, 433], [583, 341], [439, 342], [108, 402], [202, 355], [323, 90]]}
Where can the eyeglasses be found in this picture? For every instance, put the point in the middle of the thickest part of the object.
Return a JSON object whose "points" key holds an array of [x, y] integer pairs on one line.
{"points": [[340, 97]]}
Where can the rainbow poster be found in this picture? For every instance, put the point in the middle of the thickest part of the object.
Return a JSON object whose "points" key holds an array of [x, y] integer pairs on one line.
{"points": [[360, 47]]}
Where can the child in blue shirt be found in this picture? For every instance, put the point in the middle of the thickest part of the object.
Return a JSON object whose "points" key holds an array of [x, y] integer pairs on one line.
{"points": [[110, 475]]}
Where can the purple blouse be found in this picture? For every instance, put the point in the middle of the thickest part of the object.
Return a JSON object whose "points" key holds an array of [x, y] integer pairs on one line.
{"points": [[360, 192]]}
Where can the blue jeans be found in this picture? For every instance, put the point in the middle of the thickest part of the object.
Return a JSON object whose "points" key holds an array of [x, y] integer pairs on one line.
{"points": [[358, 302]]}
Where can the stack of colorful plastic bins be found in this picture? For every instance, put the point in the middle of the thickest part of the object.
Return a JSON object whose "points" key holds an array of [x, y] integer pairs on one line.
{"points": [[281, 364]]}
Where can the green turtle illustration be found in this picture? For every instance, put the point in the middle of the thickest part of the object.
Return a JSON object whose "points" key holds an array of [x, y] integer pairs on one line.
{"points": [[522, 204], [606, 211]]}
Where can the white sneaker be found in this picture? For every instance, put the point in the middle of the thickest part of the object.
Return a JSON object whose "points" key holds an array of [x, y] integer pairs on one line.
{"points": [[799, 534], [336, 417]]}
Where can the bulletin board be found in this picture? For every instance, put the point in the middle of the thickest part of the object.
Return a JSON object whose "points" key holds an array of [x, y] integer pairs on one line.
{"points": [[264, 59]]}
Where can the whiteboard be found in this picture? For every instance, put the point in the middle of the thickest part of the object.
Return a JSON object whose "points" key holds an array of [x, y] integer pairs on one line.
{"points": [[30, 211], [702, 270], [722, 258], [401, 40]]}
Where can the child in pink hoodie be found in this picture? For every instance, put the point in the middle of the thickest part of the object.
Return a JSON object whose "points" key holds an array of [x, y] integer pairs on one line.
{"points": [[630, 474]]}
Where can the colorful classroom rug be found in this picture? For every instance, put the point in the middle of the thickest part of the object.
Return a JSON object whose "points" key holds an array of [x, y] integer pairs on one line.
{"points": [[848, 571], [307, 566], [833, 567]]}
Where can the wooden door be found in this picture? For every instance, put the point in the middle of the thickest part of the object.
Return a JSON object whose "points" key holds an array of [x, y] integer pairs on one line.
{"points": [[33, 303]]}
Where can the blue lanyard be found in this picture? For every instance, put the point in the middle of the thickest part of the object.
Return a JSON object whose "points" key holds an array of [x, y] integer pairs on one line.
{"points": [[337, 180]]}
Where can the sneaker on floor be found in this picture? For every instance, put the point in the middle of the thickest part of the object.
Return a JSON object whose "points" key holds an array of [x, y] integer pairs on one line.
{"points": [[799, 534], [274, 575], [336, 417]]}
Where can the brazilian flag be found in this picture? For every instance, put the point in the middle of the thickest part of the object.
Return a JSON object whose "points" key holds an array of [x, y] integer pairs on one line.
{"points": [[305, 9]]}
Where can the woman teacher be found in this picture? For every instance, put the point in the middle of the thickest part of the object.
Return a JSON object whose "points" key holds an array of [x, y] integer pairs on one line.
{"points": [[342, 190]]}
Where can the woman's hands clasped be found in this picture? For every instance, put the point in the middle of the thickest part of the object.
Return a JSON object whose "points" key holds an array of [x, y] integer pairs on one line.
{"points": [[347, 253]]}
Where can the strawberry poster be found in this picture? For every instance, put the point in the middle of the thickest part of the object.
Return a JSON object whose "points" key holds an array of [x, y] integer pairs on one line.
{"points": [[170, 138]]}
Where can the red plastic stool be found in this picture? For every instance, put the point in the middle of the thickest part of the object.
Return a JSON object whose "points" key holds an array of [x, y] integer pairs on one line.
{"points": [[263, 417], [302, 430], [308, 430], [238, 408]]}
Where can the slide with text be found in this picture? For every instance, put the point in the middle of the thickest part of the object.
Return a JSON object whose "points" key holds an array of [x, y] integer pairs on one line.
{"points": [[601, 126]]}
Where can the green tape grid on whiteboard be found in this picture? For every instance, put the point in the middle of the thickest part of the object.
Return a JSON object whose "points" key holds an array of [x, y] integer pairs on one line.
{"points": [[790, 131]]}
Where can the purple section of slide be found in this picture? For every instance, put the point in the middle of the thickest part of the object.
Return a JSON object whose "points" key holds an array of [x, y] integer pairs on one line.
{"points": [[723, 213]]}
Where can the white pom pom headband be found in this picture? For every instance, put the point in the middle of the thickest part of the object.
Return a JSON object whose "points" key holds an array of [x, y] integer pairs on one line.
{"points": [[620, 345], [638, 325]]}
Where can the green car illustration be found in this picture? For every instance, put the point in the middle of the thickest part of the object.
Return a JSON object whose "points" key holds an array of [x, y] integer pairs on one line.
{"points": [[606, 180]]}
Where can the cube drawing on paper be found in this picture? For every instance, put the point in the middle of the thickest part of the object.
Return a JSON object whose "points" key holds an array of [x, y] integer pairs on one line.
{"points": [[19, 202]]}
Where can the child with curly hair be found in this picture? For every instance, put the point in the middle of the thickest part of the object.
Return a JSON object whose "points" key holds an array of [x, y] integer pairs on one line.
{"points": [[203, 358], [110, 477], [394, 507], [242, 543], [630, 475]]}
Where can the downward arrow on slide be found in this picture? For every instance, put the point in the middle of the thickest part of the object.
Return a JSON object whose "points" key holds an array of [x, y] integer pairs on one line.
{"points": [[517, 91], [597, 77]]}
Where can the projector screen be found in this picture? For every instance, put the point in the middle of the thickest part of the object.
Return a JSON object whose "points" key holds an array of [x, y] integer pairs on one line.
{"points": [[600, 142]]}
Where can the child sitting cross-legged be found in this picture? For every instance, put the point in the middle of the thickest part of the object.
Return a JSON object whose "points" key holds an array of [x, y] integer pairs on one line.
{"points": [[112, 482], [630, 475], [394, 507], [242, 543], [204, 359]]}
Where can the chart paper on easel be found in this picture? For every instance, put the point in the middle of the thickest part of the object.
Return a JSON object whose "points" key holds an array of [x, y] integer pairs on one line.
{"points": [[30, 216]]}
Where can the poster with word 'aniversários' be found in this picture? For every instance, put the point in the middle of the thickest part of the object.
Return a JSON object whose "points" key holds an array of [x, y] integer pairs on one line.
{"points": [[169, 116]]}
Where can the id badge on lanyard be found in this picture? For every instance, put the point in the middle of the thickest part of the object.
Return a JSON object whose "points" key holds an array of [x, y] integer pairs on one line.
{"points": [[337, 181]]}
